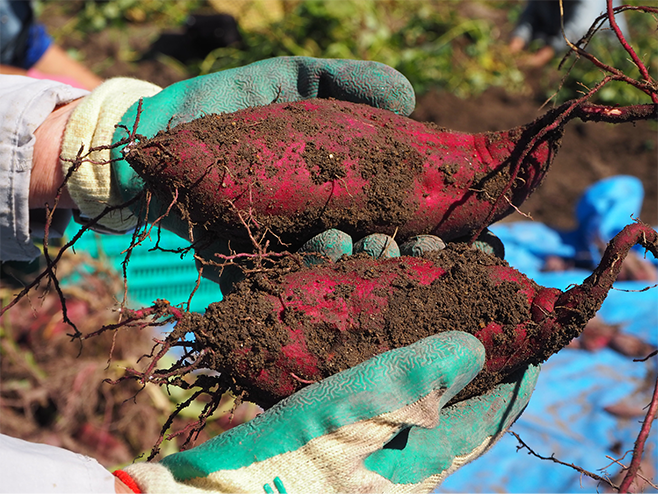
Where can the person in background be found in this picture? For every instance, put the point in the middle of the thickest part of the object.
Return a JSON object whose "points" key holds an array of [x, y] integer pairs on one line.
{"points": [[541, 21], [27, 49]]}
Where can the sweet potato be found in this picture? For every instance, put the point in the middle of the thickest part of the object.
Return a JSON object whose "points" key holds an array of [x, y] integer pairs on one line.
{"points": [[276, 333], [300, 168]]}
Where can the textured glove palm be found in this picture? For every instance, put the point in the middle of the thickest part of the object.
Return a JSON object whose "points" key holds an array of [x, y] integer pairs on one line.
{"points": [[381, 426]]}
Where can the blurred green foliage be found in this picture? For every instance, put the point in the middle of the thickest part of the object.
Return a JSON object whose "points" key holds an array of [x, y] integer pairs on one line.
{"points": [[91, 16], [430, 42], [643, 37], [438, 44], [454, 46]]}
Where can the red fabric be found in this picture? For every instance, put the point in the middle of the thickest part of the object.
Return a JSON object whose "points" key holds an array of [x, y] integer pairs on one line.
{"points": [[35, 74], [128, 480]]}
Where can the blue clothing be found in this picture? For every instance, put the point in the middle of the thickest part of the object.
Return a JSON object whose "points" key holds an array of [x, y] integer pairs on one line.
{"points": [[603, 210], [22, 40]]}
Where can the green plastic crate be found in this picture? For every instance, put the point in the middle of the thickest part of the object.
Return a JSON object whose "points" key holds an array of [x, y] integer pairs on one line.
{"points": [[152, 274]]}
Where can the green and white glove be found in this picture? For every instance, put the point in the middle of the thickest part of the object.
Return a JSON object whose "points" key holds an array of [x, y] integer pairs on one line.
{"points": [[381, 426], [92, 125]]}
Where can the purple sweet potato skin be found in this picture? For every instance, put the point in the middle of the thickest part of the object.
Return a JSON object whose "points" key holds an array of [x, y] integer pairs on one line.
{"points": [[301, 168], [276, 333]]}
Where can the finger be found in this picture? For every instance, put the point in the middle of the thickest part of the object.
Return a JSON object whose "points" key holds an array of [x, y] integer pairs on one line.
{"points": [[360, 81], [422, 244], [378, 245], [490, 244], [332, 244], [466, 430]]}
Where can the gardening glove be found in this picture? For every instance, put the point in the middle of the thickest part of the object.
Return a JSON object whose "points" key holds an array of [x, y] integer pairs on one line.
{"points": [[381, 426], [332, 244], [96, 184]]}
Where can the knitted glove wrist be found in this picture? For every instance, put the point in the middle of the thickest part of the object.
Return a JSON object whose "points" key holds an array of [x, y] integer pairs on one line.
{"points": [[91, 126]]}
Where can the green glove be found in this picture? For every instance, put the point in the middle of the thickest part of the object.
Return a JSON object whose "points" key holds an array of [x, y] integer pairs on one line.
{"points": [[381, 426], [332, 244], [93, 123], [96, 184]]}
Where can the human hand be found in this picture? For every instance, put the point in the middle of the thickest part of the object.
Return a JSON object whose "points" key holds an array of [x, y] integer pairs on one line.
{"points": [[381, 426], [516, 44], [261, 83], [277, 79], [94, 122]]}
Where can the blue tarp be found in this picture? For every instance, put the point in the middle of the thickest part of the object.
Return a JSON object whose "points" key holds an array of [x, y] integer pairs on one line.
{"points": [[566, 416]]}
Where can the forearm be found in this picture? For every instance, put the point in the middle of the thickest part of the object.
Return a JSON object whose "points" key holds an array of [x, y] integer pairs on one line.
{"points": [[25, 106], [47, 174], [56, 62]]}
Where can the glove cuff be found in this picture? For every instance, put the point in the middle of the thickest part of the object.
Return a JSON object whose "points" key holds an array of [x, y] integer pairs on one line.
{"points": [[91, 125], [128, 481], [153, 477]]}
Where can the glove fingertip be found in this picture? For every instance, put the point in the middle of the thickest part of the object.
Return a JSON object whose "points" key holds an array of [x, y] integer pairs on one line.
{"points": [[332, 244], [422, 244], [375, 84], [490, 244], [378, 245]]}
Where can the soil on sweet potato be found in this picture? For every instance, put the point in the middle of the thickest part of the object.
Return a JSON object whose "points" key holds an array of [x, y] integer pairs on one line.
{"points": [[247, 330], [387, 165], [293, 170]]}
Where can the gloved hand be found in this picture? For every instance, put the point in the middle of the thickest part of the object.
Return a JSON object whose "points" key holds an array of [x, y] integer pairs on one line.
{"points": [[381, 426], [96, 184], [333, 244]]}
